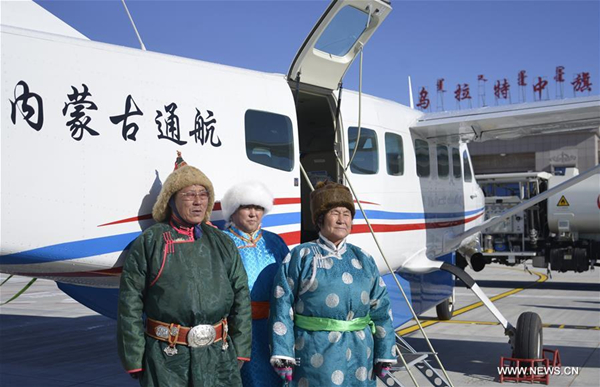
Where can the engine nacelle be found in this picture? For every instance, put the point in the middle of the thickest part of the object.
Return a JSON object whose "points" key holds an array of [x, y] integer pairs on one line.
{"points": [[473, 255]]}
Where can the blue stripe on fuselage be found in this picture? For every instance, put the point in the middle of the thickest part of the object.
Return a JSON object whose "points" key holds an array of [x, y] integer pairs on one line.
{"points": [[114, 243], [71, 250]]}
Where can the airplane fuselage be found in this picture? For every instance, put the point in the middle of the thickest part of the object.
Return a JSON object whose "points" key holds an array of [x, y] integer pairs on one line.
{"points": [[93, 129]]}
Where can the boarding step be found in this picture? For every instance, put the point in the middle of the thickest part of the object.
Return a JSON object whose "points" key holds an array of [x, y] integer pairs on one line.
{"points": [[413, 359]]}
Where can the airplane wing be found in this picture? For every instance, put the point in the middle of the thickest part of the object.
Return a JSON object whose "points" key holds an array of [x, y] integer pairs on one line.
{"points": [[29, 15], [509, 122]]}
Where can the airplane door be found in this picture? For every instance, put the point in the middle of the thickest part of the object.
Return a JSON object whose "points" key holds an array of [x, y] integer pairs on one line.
{"points": [[335, 40], [315, 73]]}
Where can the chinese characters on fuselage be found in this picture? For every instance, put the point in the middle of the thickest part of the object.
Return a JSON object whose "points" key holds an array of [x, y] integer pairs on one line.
{"points": [[79, 104]]}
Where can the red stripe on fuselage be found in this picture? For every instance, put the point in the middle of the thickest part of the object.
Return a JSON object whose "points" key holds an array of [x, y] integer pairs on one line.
{"points": [[216, 207], [363, 228]]}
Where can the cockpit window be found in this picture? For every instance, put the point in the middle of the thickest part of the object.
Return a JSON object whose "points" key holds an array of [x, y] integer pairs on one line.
{"points": [[443, 165], [422, 153], [456, 172], [343, 31]]}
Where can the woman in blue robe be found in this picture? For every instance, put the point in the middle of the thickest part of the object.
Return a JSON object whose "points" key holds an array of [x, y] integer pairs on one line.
{"points": [[330, 311], [262, 251]]}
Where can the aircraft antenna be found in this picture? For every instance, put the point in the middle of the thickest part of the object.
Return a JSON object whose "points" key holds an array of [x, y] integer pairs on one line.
{"points": [[134, 27], [410, 94], [397, 283]]}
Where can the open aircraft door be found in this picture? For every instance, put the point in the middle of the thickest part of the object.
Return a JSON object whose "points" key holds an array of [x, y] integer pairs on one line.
{"points": [[316, 71], [336, 39]]}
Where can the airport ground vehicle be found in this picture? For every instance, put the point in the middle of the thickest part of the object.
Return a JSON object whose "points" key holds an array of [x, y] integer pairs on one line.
{"points": [[561, 233]]}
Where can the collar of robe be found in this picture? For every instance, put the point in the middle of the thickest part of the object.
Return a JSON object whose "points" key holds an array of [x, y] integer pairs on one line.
{"points": [[331, 249], [250, 239]]}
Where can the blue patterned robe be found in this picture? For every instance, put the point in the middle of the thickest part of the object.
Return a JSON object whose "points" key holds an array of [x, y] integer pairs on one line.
{"points": [[342, 283], [261, 260]]}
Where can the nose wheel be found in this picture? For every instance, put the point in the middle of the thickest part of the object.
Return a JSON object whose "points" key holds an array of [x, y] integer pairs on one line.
{"points": [[529, 337]]}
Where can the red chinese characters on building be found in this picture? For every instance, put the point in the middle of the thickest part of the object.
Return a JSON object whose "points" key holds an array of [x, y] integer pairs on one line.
{"points": [[539, 87], [423, 99], [582, 83], [560, 74], [521, 78], [440, 85], [501, 89], [462, 92]]}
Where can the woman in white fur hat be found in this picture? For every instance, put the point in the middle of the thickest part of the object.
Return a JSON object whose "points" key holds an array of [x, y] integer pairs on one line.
{"points": [[244, 206]]}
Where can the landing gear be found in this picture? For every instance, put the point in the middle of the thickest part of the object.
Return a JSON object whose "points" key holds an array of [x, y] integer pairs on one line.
{"points": [[529, 337], [446, 308], [526, 339]]}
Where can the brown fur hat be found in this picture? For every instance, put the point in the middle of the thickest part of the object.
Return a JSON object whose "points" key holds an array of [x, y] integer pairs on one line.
{"points": [[328, 195], [183, 176]]}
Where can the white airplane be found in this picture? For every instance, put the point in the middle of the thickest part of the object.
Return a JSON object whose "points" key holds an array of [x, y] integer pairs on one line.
{"points": [[93, 129]]}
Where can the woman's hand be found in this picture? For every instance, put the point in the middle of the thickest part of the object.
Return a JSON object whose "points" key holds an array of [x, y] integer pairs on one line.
{"points": [[381, 369], [283, 369]]}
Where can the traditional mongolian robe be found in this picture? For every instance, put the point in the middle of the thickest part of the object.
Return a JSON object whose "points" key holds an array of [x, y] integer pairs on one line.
{"points": [[261, 253], [337, 283], [173, 276]]}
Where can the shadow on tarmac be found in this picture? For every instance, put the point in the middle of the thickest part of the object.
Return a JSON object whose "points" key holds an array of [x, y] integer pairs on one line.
{"points": [[548, 285], [50, 351]]}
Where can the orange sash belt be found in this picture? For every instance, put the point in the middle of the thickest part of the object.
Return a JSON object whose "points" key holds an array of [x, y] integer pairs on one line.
{"points": [[260, 310]]}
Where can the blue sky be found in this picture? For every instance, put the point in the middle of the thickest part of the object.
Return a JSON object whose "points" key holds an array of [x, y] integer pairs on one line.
{"points": [[454, 40]]}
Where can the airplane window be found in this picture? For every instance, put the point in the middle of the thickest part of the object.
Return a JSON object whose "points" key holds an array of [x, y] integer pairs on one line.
{"points": [[443, 164], [467, 165], [366, 160], [343, 31], [269, 139], [456, 172], [422, 153], [394, 154]]}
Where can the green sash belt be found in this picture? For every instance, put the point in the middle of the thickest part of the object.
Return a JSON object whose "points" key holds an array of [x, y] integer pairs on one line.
{"points": [[329, 324]]}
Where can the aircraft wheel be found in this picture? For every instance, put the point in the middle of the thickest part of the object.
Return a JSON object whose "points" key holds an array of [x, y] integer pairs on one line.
{"points": [[529, 337], [446, 308]]}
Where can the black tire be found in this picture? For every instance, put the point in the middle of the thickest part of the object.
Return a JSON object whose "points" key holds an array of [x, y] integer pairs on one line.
{"points": [[529, 340], [446, 308]]}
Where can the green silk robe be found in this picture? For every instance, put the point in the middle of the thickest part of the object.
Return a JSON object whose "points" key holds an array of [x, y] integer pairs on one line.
{"points": [[170, 277]]}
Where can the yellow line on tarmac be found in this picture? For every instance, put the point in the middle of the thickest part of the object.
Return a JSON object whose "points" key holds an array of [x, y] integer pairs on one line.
{"points": [[415, 327], [553, 326]]}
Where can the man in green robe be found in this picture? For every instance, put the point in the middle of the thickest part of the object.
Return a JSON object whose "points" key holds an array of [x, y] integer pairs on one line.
{"points": [[184, 316]]}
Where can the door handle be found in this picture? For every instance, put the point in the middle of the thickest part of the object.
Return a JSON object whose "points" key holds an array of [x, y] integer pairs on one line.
{"points": [[473, 196]]}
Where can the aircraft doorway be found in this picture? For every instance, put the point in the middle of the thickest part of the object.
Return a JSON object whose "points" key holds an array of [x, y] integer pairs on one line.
{"points": [[316, 127]]}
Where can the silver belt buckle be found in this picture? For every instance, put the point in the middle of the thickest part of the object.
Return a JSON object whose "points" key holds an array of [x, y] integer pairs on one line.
{"points": [[201, 336]]}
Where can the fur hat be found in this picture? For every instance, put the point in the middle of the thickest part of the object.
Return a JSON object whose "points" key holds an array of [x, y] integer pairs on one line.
{"points": [[328, 195], [246, 194], [183, 176]]}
